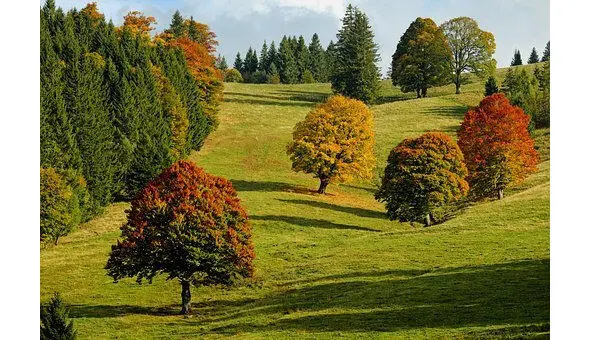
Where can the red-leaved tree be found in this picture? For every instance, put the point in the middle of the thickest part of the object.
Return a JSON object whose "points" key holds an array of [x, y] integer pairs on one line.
{"points": [[498, 150], [189, 225]]}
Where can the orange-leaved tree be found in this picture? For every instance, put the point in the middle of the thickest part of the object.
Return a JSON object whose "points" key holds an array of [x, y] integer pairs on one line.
{"points": [[498, 149], [189, 225], [423, 176], [335, 142]]}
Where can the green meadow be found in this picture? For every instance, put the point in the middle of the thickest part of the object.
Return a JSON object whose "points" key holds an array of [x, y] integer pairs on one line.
{"points": [[330, 265]]}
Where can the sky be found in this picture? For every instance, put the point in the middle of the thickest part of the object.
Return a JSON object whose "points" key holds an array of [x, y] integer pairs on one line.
{"points": [[239, 24]]}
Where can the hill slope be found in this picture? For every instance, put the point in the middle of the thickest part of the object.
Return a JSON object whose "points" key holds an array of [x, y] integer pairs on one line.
{"points": [[330, 265]]}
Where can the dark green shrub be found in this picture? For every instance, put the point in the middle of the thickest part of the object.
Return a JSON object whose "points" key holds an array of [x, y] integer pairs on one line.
{"points": [[55, 323], [233, 76]]}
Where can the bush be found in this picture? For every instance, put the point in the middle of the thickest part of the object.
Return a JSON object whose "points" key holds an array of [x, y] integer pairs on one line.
{"points": [[334, 142], [232, 75], [498, 149], [259, 77], [308, 77], [57, 202], [54, 321], [274, 79], [187, 224], [423, 177]]}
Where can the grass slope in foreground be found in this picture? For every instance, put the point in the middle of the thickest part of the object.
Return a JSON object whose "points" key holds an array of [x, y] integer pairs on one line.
{"points": [[330, 266]]}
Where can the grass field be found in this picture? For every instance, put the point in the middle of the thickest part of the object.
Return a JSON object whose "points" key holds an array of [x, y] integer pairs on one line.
{"points": [[330, 265]]}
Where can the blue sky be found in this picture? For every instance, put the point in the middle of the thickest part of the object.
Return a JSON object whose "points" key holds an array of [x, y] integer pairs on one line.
{"points": [[516, 24]]}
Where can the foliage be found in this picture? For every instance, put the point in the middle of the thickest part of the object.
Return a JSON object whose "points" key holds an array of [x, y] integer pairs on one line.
{"points": [[490, 86], [526, 92], [288, 68], [335, 142], [308, 77], [356, 74], [516, 61], [498, 149], [471, 47], [422, 59], [546, 55], [238, 63], [186, 224], [317, 64], [55, 322], [118, 106], [533, 57], [57, 203], [232, 75], [423, 176]]}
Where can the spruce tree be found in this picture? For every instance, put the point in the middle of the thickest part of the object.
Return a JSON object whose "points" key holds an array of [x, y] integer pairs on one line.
{"points": [[302, 58], [177, 26], [288, 68], [491, 86], [55, 320], [264, 58], [272, 56], [317, 60], [331, 59], [238, 63], [533, 57], [516, 59], [546, 55], [356, 72]]}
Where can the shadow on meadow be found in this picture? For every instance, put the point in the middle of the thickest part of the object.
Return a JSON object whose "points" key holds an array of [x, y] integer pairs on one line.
{"points": [[449, 111], [349, 210], [309, 222], [268, 186], [515, 294], [255, 101]]}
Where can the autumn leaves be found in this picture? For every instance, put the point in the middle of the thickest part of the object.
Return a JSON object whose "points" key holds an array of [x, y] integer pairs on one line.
{"points": [[426, 175]]}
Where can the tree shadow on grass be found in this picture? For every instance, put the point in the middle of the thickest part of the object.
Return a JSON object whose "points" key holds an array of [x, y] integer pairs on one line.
{"points": [[510, 295], [105, 311], [305, 96], [349, 210], [448, 111], [309, 222], [267, 186], [253, 101]]}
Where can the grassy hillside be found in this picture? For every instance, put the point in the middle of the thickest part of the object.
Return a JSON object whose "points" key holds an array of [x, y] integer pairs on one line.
{"points": [[330, 265]]}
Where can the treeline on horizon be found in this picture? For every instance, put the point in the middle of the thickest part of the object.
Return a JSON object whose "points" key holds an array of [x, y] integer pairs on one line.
{"points": [[292, 62], [117, 107]]}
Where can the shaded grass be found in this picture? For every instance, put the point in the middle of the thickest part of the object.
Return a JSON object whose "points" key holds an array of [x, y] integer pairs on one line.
{"points": [[330, 265]]}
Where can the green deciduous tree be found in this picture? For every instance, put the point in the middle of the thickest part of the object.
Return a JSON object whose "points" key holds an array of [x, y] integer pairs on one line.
{"points": [[471, 48], [356, 73], [422, 59], [423, 176]]}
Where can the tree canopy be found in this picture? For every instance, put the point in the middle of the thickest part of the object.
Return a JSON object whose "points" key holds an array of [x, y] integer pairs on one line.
{"points": [[422, 59], [471, 48]]}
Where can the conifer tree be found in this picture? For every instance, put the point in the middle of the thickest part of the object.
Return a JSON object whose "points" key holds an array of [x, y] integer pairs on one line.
{"points": [[491, 86], [546, 55], [356, 72], [516, 59], [238, 63], [331, 59], [533, 57], [317, 60], [55, 320], [222, 64], [250, 65], [273, 57], [177, 26], [288, 68], [302, 58], [264, 58]]}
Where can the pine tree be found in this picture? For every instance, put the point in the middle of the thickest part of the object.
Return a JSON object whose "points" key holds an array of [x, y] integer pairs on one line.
{"points": [[288, 68], [356, 72], [272, 56], [516, 59], [533, 57], [177, 26], [546, 55], [238, 63], [317, 60], [491, 86], [331, 59], [302, 58], [55, 323], [264, 58]]}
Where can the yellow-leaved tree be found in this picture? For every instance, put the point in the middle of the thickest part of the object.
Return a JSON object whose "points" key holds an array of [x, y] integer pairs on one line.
{"points": [[335, 142]]}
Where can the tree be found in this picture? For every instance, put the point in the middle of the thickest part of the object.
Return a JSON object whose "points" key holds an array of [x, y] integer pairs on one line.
{"points": [[288, 68], [273, 77], [273, 57], [55, 322], [233, 76], [423, 176], [422, 59], [516, 59], [238, 65], [138, 23], [491, 86], [356, 73], [498, 149], [264, 58], [250, 65], [189, 225], [222, 64], [302, 57], [523, 90], [177, 26], [317, 60], [471, 48], [57, 202], [331, 60], [546, 55], [335, 142], [533, 57]]}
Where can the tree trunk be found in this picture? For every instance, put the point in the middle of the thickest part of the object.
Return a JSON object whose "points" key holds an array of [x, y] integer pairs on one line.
{"points": [[500, 194], [424, 92], [323, 185], [186, 297], [458, 87], [428, 220], [418, 93]]}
